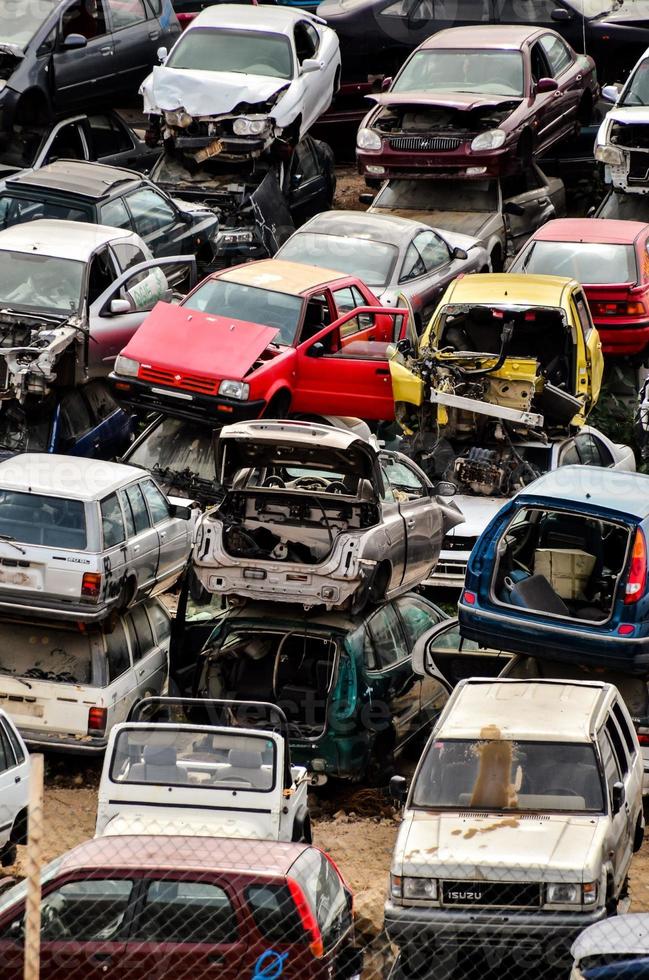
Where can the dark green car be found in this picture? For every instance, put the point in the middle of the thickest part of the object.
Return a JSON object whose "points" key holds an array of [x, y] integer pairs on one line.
{"points": [[345, 683]]}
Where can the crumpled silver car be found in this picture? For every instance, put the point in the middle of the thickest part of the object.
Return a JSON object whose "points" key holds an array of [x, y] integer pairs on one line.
{"points": [[317, 516]]}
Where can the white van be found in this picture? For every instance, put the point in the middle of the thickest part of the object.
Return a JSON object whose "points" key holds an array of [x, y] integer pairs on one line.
{"points": [[65, 686]]}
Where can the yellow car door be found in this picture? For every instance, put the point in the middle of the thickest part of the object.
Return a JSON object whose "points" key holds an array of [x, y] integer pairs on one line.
{"points": [[589, 346]]}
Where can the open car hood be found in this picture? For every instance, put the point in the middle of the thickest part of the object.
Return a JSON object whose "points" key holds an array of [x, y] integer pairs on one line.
{"points": [[209, 93], [185, 340], [454, 100], [628, 114]]}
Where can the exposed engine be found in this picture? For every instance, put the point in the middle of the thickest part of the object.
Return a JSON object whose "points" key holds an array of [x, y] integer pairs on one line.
{"points": [[492, 472], [442, 119], [632, 135]]}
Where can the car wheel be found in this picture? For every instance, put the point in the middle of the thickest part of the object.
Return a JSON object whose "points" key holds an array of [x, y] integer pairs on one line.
{"points": [[638, 836], [19, 830], [496, 259]]}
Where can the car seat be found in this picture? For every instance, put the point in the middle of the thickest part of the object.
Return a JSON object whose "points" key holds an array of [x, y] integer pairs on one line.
{"points": [[244, 765], [535, 593], [159, 766]]}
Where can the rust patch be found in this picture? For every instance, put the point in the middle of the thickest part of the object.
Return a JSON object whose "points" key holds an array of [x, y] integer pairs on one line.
{"points": [[493, 788]]}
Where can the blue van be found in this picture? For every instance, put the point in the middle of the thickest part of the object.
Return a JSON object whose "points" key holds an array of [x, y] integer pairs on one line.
{"points": [[561, 571]]}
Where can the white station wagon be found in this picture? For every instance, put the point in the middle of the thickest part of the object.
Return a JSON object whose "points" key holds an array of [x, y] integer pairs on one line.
{"points": [[80, 538]]}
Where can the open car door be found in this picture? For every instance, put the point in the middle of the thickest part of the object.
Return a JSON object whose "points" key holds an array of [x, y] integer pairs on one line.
{"points": [[450, 658]]}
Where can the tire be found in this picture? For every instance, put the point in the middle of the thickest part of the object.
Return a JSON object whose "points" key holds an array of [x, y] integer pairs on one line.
{"points": [[302, 832], [638, 836], [19, 830], [496, 259]]}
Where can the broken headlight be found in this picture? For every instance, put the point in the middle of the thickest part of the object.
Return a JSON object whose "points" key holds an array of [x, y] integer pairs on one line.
{"points": [[612, 155], [181, 119], [244, 126], [367, 139], [234, 389], [491, 140], [126, 366]]}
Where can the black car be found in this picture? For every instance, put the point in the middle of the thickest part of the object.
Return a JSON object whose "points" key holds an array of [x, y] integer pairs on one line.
{"points": [[78, 191], [376, 35], [58, 56], [101, 136]]}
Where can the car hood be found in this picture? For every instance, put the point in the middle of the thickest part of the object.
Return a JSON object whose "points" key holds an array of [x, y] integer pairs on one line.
{"points": [[208, 93], [607, 937], [170, 824], [628, 114], [454, 100], [469, 223], [477, 512], [186, 341], [631, 11], [521, 847]]}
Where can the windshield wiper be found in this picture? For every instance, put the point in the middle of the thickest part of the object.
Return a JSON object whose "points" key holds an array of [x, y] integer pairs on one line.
{"points": [[12, 541], [21, 680]]}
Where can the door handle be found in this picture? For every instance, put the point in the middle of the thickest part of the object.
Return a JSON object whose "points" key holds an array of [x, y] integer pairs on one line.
{"points": [[16, 779], [154, 35], [136, 548], [411, 524], [101, 957], [107, 50], [163, 535], [382, 371]]}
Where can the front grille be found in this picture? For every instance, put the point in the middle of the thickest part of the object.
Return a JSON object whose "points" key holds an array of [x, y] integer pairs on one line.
{"points": [[190, 382], [424, 143], [491, 894], [455, 542], [449, 568], [638, 168]]}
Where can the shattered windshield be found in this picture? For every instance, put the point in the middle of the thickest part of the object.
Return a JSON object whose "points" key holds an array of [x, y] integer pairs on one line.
{"points": [[250, 304], [40, 283], [588, 262], [44, 652], [176, 448], [499, 774], [243, 52], [480, 71], [438, 195], [372, 261], [21, 21]]}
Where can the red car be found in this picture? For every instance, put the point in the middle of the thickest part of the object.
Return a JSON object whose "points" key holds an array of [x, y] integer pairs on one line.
{"points": [[611, 260], [477, 102], [264, 339], [204, 907]]}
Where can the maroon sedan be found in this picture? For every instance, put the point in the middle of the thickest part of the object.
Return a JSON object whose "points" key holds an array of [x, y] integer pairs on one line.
{"points": [[477, 102], [204, 907]]}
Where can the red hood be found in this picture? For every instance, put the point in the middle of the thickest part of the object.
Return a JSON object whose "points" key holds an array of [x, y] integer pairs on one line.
{"points": [[455, 100], [184, 340]]}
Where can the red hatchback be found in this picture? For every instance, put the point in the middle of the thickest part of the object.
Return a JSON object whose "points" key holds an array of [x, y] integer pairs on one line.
{"points": [[611, 260], [204, 907]]}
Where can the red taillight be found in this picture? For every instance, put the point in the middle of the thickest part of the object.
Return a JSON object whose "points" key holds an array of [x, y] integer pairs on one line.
{"points": [[185, 19], [307, 918], [97, 721], [637, 579], [469, 598], [600, 307], [643, 736], [91, 585]]}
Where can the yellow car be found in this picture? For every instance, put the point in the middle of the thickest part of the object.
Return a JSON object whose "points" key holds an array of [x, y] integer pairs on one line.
{"points": [[516, 351]]}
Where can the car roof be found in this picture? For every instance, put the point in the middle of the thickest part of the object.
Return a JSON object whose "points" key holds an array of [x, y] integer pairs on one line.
{"points": [[390, 228], [279, 276], [609, 231], [536, 710], [486, 36], [183, 853], [60, 239], [613, 490], [510, 289], [275, 20], [73, 477], [77, 177]]}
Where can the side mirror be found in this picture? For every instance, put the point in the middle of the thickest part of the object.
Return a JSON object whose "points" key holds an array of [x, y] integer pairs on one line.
{"points": [[444, 488], [177, 510], [516, 210], [399, 789], [546, 85], [316, 350], [591, 211], [73, 42], [560, 13], [610, 93], [386, 83], [310, 65], [366, 198], [120, 306], [459, 253], [162, 55], [618, 797]]}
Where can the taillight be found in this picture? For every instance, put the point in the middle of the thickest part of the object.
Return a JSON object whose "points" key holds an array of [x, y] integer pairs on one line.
{"points": [[617, 308], [91, 585], [97, 721], [469, 598], [307, 918], [643, 735], [637, 579]]}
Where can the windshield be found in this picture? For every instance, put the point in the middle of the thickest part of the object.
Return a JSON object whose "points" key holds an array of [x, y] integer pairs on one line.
{"points": [[19, 149], [480, 71], [21, 21], [586, 262], [32, 518], [177, 449], [550, 777], [243, 52], [45, 652], [372, 261], [194, 758], [40, 283], [25, 429], [251, 304], [17, 209], [438, 195], [638, 91]]}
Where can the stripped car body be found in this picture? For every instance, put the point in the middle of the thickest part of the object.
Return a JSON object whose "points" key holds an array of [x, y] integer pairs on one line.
{"points": [[622, 142], [315, 515], [241, 78]]}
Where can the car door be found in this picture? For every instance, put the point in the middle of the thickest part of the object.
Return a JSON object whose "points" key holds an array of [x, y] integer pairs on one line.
{"points": [[569, 77], [592, 345], [14, 777], [308, 185], [313, 88], [150, 665], [89, 71], [442, 654], [133, 38], [72, 427], [120, 691], [618, 832], [113, 144], [174, 535], [66, 142], [394, 688], [426, 271], [623, 820], [142, 541], [157, 221], [527, 190], [418, 616], [421, 516], [112, 427], [546, 106]]}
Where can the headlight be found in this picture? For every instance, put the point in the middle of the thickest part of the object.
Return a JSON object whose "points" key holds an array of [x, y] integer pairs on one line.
{"points": [[182, 119], [367, 139], [563, 893], [490, 140], [249, 127], [126, 366], [235, 237], [234, 389], [612, 155], [421, 889]]}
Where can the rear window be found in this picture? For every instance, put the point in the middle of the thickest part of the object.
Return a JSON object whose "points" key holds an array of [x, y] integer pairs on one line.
{"points": [[35, 519], [584, 261], [46, 653]]}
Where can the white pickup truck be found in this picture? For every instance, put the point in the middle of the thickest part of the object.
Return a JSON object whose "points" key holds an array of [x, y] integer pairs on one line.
{"points": [[166, 773]]}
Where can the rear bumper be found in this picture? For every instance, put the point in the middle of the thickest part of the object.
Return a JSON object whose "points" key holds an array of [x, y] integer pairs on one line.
{"points": [[457, 163], [623, 337], [57, 742], [184, 404], [53, 607]]}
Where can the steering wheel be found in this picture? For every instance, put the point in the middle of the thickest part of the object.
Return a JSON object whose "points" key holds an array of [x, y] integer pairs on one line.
{"points": [[235, 780], [52, 924], [274, 481], [336, 486], [311, 483]]}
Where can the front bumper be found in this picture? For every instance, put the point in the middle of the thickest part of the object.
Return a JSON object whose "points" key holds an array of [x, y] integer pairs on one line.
{"points": [[184, 404], [450, 570], [69, 744], [456, 163], [623, 336]]}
